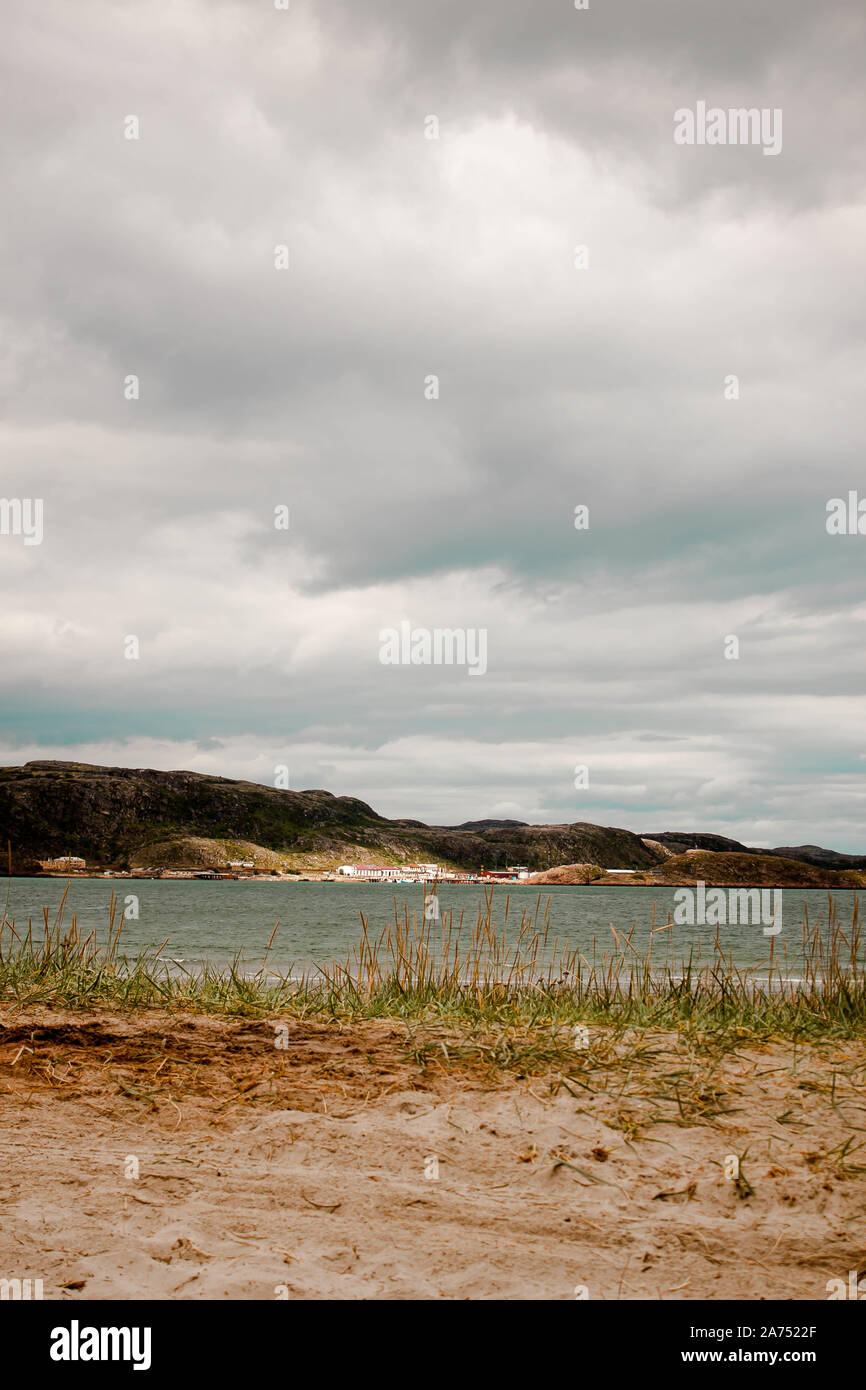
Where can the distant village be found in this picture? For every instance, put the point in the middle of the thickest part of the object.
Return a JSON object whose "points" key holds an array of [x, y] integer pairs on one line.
{"points": [[422, 873], [71, 864]]}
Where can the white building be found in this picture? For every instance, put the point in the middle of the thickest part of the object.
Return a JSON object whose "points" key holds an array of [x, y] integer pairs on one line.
{"points": [[514, 871], [368, 871], [389, 872]]}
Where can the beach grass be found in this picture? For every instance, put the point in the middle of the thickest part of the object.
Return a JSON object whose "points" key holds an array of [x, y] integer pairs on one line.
{"points": [[494, 977]]}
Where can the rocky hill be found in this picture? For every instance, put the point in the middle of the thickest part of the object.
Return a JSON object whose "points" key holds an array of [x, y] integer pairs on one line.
{"points": [[752, 869], [823, 858], [119, 817], [680, 841], [115, 817], [715, 870]]}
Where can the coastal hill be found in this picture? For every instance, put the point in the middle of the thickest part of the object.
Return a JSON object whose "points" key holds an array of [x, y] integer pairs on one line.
{"points": [[755, 870], [114, 816], [117, 817], [716, 870], [675, 842]]}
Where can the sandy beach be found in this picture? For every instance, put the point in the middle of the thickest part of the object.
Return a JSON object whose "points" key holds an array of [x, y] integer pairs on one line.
{"points": [[159, 1155]]}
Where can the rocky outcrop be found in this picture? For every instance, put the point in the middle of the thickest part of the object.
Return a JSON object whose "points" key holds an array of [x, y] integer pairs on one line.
{"points": [[753, 870], [715, 870], [822, 858], [678, 841], [569, 874]]}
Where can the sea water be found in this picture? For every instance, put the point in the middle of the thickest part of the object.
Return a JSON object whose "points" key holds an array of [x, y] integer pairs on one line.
{"points": [[216, 921]]}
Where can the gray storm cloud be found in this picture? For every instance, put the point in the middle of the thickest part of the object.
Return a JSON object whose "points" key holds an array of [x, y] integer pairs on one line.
{"points": [[454, 258]]}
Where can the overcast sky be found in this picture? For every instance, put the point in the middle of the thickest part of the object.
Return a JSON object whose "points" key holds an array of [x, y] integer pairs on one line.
{"points": [[558, 386]]}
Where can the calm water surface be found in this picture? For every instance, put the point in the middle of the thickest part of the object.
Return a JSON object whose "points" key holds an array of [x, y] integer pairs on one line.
{"points": [[216, 921]]}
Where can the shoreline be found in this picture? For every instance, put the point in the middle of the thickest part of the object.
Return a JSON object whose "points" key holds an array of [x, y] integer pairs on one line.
{"points": [[508, 884]]}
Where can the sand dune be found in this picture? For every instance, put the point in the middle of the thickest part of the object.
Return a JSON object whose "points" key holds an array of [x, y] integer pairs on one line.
{"points": [[304, 1172]]}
